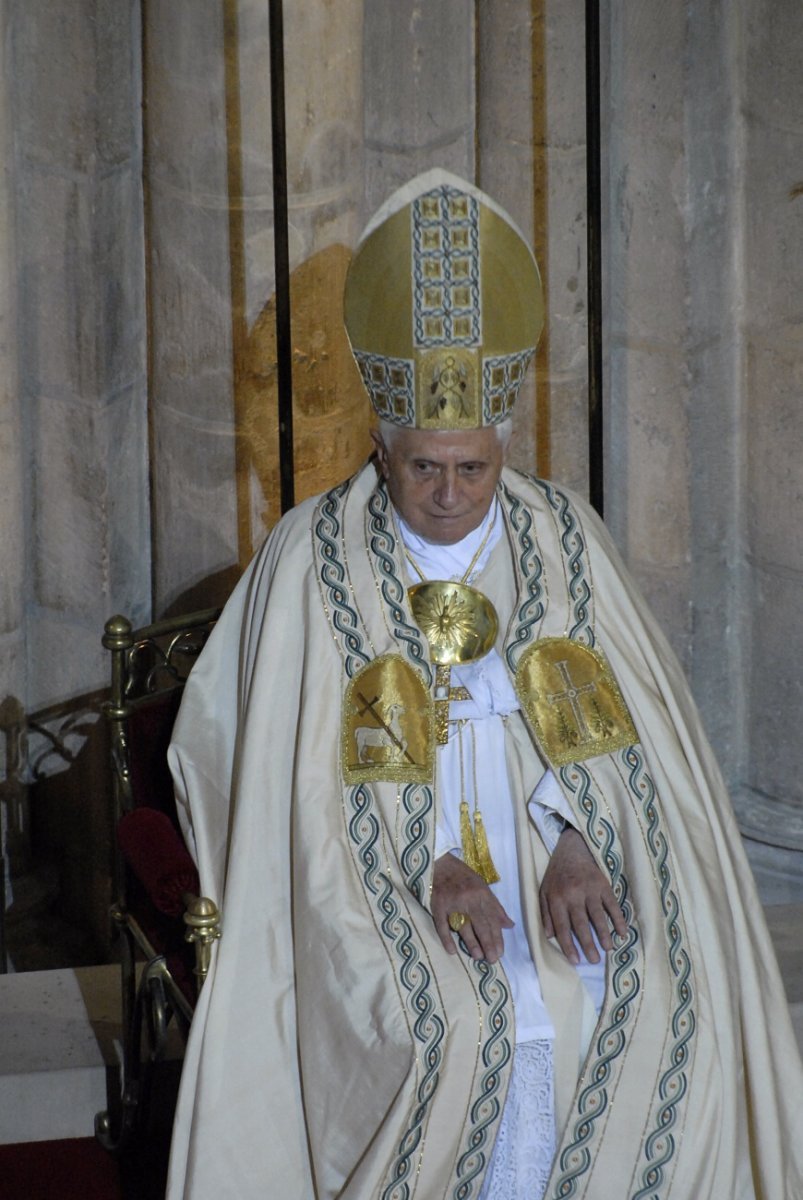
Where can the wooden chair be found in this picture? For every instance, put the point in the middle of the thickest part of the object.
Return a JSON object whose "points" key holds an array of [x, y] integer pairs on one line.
{"points": [[164, 929]]}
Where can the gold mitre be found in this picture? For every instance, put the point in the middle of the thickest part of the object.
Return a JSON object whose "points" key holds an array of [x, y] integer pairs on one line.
{"points": [[443, 306]]}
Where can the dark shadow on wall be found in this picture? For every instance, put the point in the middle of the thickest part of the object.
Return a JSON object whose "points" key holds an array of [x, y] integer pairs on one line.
{"points": [[56, 797]]}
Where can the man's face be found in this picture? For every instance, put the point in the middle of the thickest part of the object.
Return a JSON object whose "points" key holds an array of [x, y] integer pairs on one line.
{"points": [[442, 482]]}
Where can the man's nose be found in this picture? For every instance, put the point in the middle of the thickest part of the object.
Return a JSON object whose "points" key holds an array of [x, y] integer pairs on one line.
{"points": [[446, 493]]}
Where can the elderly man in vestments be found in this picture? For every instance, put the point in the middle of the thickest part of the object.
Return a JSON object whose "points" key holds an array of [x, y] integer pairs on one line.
{"points": [[489, 931]]}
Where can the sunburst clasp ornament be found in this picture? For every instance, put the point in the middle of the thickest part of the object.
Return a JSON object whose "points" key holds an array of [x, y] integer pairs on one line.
{"points": [[459, 623]]}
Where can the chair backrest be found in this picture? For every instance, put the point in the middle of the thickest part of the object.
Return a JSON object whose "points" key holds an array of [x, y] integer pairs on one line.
{"points": [[149, 667]]}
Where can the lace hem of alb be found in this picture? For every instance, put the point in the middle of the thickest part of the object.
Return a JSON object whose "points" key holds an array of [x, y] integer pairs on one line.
{"points": [[521, 1161]]}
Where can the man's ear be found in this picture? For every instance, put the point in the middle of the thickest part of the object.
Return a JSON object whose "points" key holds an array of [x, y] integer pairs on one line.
{"points": [[381, 452]]}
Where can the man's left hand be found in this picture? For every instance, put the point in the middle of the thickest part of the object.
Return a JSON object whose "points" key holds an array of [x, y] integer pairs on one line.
{"points": [[576, 898]]}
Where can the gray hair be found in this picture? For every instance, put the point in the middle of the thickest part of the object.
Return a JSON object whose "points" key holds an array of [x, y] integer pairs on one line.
{"points": [[388, 431]]}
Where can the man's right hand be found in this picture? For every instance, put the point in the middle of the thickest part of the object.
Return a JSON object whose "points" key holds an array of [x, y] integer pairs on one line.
{"points": [[456, 888]]}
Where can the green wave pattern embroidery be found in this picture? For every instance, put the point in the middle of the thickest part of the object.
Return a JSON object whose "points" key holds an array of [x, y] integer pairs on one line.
{"points": [[574, 550], [343, 618], [660, 1146], [383, 547], [532, 610], [486, 1109], [417, 803], [427, 1021], [418, 800], [625, 985]]}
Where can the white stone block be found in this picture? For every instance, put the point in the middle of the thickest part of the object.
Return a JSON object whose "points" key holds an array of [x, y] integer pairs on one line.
{"points": [[61, 1032], [78, 82], [419, 61]]}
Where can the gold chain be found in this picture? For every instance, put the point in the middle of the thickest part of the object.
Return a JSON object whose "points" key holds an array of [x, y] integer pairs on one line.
{"points": [[465, 576]]}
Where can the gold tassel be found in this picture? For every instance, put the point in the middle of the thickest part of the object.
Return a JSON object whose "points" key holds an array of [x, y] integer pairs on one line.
{"points": [[470, 857], [485, 864], [476, 852]]}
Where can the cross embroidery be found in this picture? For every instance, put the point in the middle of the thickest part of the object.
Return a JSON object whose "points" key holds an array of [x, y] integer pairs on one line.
{"points": [[572, 694]]}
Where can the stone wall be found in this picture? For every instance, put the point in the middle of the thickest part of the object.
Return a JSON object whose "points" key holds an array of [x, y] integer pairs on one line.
{"points": [[74, 449], [770, 798], [704, 432], [211, 276], [531, 145]]}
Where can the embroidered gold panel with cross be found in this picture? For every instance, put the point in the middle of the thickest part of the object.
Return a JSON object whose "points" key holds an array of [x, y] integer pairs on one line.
{"points": [[573, 701], [387, 728]]}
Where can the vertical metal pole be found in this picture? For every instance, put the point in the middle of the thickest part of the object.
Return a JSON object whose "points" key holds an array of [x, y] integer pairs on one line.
{"points": [[594, 254], [284, 362]]}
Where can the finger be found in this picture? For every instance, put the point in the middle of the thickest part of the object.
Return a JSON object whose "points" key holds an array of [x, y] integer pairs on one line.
{"points": [[546, 918], [489, 935], [444, 932], [470, 941], [582, 931], [563, 934], [616, 915], [599, 924]]}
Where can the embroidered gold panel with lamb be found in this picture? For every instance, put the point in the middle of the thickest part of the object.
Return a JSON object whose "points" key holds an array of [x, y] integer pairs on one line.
{"points": [[573, 701], [387, 727]]}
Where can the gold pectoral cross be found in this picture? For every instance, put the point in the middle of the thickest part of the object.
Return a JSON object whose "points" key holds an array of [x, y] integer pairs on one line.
{"points": [[444, 693]]}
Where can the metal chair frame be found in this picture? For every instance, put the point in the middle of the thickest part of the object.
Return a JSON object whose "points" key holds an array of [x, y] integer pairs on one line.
{"points": [[147, 662]]}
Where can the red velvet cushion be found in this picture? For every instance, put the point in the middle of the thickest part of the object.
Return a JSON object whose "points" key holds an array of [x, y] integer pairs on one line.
{"points": [[150, 727], [158, 857]]}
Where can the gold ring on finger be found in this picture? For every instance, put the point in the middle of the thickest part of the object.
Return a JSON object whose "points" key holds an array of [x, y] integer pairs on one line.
{"points": [[457, 920]]}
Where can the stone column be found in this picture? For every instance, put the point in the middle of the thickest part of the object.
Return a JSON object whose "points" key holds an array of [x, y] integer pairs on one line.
{"points": [[770, 803], [215, 465], [12, 526], [79, 249], [81, 388], [531, 139], [647, 461], [419, 93], [712, 199]]}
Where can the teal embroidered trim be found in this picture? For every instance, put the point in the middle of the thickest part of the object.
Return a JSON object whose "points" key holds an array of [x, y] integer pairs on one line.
{"points": [[486, 1109], [419, 995], [574, 549], [343, 617], [625, 985], [532, 610], [418, 804], [383, 547], [660, 1145]]}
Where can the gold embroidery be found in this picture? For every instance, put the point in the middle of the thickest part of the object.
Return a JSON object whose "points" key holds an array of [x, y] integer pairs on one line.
{"points": [[573, 701], [387, 728]]}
